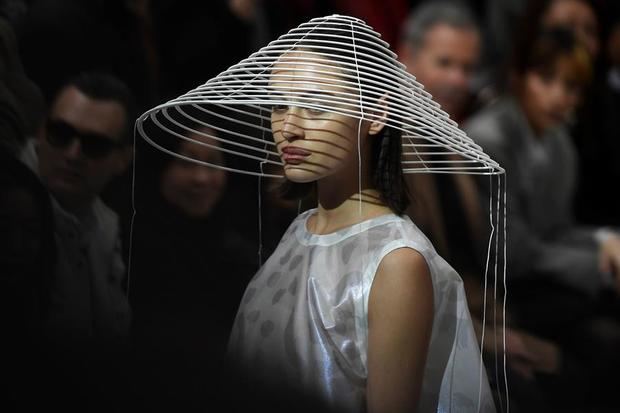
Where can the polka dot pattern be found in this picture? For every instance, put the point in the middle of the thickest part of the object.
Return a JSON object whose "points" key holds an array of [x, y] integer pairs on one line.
{"points": [[307, 317]]}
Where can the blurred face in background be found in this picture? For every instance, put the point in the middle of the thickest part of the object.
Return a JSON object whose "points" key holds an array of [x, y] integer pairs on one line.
{"points": [[81, 150], [576, 15], [445, 64], [194, 188], [549, 96]]}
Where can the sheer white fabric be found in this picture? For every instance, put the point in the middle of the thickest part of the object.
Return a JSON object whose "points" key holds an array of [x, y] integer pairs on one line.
{"points": [[303, 318]]}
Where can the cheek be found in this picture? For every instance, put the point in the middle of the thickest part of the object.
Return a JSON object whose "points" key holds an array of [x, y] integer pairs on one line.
{"points": [[276, 125], [535, 92], [573, 97], [573, 102], [428, 71], [172, 181], [220, 179], [217, 183], [278, 139], [102, 171], [46, 155]]}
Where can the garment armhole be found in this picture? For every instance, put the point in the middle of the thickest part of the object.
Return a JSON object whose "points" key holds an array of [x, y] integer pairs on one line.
{"points": [[369, 277], [371, 270]]}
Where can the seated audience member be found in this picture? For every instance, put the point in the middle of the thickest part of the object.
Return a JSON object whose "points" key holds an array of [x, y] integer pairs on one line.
{"points": [[505, 21], [593, 126], [576, 15], [440, 45], [556, 269], [189, 269], [83, 145], [596, 137], [21, 102], [27, 256]]}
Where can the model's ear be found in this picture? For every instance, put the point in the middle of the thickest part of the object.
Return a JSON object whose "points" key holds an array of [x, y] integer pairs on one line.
{"points": [[378, 116]]}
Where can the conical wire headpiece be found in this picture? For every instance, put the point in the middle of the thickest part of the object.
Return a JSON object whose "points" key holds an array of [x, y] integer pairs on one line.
{"points": [[334, 64]]}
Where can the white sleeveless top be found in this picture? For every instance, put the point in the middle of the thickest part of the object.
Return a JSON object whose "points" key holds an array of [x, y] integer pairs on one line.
{"points": [[304, 318]]}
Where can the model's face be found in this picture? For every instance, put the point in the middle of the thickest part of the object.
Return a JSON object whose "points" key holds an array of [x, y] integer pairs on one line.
{"points": [[193, 188], [312, 143], [79, 151], [576, 15], [445, 64], [549, 98]]}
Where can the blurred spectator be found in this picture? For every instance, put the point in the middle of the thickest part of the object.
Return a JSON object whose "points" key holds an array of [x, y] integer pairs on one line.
{"points": [[13, 10], [441, 47], [189, 269], [596, 133], [21, 103], [83, 145], [613, 75], [524, 134], [613, 53], [556, 268], [576, 15], [27, 256], [593, 124], [506, 20], [27, 250]]}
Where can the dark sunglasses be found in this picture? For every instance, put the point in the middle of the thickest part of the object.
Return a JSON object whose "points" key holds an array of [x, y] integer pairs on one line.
{"points": [[60, 134]]}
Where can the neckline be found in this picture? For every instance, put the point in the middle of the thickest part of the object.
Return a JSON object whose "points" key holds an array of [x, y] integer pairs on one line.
{"points": [[309, 238]]}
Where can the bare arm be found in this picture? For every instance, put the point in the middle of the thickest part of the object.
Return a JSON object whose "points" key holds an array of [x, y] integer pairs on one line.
{"points": [[400, 318]]}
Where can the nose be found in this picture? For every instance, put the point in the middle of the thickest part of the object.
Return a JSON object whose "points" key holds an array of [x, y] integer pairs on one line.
{"points": [[559, 98], [459, 77], [291, 126], [202, 175], [74, 150]]}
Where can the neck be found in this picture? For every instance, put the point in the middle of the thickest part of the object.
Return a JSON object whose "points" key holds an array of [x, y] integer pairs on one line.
{"points": [[342, 203], [537, 131]]}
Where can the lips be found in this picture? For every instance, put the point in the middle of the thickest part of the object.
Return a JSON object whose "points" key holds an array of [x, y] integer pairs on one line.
{"points": [[69, 174], [294, 155]]}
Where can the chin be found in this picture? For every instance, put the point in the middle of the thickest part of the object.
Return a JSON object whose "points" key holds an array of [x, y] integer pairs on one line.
{"points": [[196, 210], [300, 176], [66, 192]]}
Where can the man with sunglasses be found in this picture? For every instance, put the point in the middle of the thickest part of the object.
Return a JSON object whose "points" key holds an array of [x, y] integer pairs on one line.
{"points": [[84, 143]]}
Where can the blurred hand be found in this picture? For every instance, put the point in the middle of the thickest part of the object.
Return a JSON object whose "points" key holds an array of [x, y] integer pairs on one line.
{"points": [[528, 354], [609, 258], [520, 358], [547, 355]]}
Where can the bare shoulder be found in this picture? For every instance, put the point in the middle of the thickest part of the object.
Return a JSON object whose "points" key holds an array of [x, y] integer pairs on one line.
{"points": [[403, 280], [404, 261], [400, 320]]}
